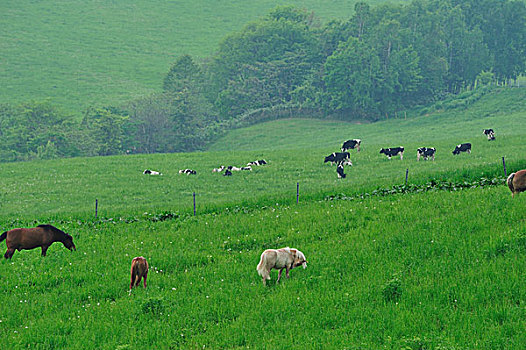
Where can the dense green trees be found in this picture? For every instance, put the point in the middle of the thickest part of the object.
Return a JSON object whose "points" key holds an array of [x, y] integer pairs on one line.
{"points": [[380, 61]]}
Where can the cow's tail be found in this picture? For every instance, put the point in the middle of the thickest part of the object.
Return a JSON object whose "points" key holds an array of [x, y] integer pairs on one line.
{"points": [[3, 236], [509, 181]]}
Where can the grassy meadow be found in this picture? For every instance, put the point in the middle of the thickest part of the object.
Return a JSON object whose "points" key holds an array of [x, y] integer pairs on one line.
{"points": [[429, 270], [90, 53]]}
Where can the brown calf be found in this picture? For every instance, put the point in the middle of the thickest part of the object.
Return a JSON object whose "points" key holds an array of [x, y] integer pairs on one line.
{"points": [[139, 269]]}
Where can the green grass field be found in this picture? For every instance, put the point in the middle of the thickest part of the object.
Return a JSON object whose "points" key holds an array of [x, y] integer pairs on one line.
{"points": [[433, 270], [93, 53]]}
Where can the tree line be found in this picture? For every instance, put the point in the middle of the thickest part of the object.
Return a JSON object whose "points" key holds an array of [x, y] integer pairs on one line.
{"points": [[379, 62]]}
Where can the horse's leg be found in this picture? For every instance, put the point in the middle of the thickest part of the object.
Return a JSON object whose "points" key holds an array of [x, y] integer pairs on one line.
{"points": [[287, 271], [132, 280], [44, 249], [9, 253], [279, 275], [144, 281]]}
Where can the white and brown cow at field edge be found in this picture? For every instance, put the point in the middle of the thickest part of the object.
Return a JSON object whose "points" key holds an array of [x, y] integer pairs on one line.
{"points": [[280, 259], [517, 182]]}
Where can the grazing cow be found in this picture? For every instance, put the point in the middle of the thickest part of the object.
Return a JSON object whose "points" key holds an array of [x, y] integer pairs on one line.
{"points": [[280, 259], [351, 144], [187, 171], [425, 152], [517, 182], [339, 170], [389, 152], [151, 172], [339, 157], [218, 170], [463, 147], [139, 270], [489, 133], [257, 162]]}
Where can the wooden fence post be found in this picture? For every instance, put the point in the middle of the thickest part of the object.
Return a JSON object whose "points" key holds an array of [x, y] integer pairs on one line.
{"points": [[297, 192], [504, 165]]}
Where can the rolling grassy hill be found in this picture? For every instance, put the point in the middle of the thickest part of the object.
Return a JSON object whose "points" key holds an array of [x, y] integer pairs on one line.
{"points": [[295, 150], [442, 269], [83, 53]]}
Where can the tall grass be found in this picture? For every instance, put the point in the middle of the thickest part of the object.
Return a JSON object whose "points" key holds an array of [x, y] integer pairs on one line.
{"points": [[424, 271]]}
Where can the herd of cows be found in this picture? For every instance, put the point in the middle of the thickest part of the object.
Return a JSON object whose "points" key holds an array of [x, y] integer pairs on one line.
{"points": [[344, 158]]}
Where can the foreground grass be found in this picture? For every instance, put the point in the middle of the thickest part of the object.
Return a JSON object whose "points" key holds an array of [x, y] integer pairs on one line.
{"points": [[443, 270], [92, 53]]}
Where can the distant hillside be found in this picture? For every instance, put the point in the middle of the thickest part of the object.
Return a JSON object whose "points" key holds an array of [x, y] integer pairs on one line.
{"points": [[84, 53], [504, 110]]}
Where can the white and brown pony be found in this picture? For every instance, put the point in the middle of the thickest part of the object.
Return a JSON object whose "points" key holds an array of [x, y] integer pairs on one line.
{"points": [[280, 259]]}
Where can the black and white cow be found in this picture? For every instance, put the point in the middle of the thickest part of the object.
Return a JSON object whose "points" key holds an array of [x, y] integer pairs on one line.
{"points": [[339, 170], [339, 157], [425, 152], [227, 173], [218, 170], [187, 171], [463, 147], [249, 168], [489, 133], [258, 162], [151, 172], [351, 144], [393, 151]]}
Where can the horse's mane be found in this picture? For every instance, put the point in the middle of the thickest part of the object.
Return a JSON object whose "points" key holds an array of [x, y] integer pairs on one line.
{"points": [[53, 229]]}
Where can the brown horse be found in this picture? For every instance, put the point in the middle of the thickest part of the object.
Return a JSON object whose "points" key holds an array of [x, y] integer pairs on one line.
{"points": [[30, 238], [139, 269]]}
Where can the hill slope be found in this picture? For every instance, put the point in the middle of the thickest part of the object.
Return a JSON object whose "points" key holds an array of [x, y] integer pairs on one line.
{"points": [[295, 150], [83, 53], [504, 110]]}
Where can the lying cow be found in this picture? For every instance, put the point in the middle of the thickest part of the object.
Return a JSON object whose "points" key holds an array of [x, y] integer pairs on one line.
{"points": [[187, 172], [280, 259], [425, 152], [489, 133], [339, 157], [517, 182], [339, 170], [151, 172], [463, 147], [139, 270], [393, 151], [257, 162], [351, 144]]}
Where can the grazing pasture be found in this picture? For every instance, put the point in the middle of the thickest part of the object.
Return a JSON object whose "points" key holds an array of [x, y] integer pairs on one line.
{"points": [[421, 271], [441, 269]]}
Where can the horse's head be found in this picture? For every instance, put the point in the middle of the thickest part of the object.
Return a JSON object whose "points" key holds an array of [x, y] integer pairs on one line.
{"points": [[68, 242]]}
